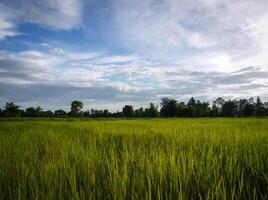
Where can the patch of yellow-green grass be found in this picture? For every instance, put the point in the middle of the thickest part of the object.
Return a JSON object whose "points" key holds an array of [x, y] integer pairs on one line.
{"points": [[134, 159]]}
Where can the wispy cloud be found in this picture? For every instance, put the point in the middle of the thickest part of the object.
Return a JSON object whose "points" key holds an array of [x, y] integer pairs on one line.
{"points": [[54, 14], [7, 26], [40, 76], [201, 48], [234, 30]]}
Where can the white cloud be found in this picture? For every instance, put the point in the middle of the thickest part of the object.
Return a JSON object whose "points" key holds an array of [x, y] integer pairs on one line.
{"points": [[117, 59], [55, 14], [183, 48], [222, 34], [7, 27], [34, 75]]}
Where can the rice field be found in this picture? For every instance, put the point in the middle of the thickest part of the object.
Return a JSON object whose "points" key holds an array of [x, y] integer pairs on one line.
{"points": [[134, 159]]}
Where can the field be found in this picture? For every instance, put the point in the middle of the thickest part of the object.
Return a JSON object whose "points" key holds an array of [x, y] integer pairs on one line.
{"points": [[134, 159]]}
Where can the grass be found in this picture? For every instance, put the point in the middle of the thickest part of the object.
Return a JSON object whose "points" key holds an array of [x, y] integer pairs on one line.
{"points": [[134, 159]]}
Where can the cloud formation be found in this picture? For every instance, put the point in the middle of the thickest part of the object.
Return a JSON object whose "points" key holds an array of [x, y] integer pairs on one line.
{"points": [[47, 78], [234, 30], [156, 48], [55, 14]]}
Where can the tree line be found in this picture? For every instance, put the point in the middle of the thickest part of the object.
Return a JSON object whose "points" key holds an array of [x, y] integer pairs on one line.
{"points": [[169, 107]]}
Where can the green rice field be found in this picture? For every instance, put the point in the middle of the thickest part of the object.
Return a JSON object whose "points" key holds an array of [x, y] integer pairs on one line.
{"points": [[214, 158]]}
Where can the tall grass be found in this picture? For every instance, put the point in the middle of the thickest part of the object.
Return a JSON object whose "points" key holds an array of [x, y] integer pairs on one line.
{"points": [[134, 159]]}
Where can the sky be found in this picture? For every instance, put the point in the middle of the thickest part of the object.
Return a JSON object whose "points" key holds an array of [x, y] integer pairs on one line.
{"points": [[108, 53]]}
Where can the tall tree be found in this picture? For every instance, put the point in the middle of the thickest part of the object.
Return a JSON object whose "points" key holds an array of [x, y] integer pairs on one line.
{"points": [[76, 107], [259, 107], [240, 107], [128, 111], [192, 102], [168, 107], [217, 107], [249, 110], [152, 111], [229, 109], [12, 110]]}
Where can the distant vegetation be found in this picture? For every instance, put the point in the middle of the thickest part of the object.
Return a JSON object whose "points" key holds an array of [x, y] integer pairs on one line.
{"points": [[134, 159], [168, 108]]}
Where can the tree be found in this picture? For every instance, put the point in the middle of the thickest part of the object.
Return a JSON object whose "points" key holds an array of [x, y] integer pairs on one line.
{"points": [[240, 107], [168, 107], [249, 110], [76, 107], [191, 102], [188, 111], [265, 107], [128, 111], [106, 113], [152, 111], [60, 113], [259, 107], [180, 109], [34, 112], [1, 113], [204, 109], [12, 110], [229, 109], [48, 113], [30, 112], [139, 112], [217, 107]]}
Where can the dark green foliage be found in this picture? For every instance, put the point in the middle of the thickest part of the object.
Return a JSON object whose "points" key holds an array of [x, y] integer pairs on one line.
{"points": [[97, 113], [128, 111], [76, 107], [229, 109], [152, 111], [12, 110], [60, 113], [34, 112], [48, 113], [1, 113], [259, 107], [169, 108], [249, 110]]}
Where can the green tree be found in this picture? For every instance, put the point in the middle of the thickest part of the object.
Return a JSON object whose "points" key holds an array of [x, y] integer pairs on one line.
{"points": [[76, 107], [217, 107], [259, 107], [60, 113], [249, 110], [34, 112], [139, 112], [191, 102], [152, 111], [229, 109], [168, 107], [128, 111], [48, 113], [12, 110], [241, 105]]}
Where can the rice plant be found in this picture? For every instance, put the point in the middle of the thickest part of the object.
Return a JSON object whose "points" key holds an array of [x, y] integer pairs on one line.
{"points": [[134, 159]]}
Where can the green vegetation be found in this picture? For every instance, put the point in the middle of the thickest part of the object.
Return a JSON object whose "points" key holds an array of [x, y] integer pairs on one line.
{"points": [[168, 108], [134, 159]]}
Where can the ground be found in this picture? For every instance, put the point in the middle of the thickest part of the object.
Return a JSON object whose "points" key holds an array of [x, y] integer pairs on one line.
{"points": [[210, 158]]}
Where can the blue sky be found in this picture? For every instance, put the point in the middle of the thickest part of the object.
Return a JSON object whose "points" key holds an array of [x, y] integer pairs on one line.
{"points": [[111, 53]]}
